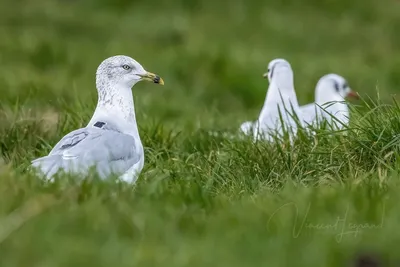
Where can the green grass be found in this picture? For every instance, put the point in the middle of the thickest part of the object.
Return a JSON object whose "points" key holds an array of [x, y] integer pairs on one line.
{"points": [[201, 200]]}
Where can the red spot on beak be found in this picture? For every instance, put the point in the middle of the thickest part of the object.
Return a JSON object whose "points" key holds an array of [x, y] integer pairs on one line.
{"points": [[353, 94]]}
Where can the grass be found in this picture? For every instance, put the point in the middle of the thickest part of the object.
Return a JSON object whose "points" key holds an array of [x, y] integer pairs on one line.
{"points": [[201, 200]]}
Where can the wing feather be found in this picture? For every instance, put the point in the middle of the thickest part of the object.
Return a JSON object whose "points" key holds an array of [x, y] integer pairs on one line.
{"points": [[108, 150]]}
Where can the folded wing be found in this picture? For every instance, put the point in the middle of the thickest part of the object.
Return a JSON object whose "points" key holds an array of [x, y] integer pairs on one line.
{"points": [[110, 152]]}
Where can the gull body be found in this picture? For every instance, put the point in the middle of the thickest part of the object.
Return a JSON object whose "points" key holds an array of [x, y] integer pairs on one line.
{"points": [[329, 105], [281, 100], [110, 143]]}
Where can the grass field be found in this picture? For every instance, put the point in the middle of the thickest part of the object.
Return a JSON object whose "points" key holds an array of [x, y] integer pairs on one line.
{"points": [[201, 200]]}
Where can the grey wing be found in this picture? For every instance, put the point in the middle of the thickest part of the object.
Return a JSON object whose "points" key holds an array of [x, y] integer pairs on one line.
{"points": [[112, 152], [109, 151], [70, 140]]}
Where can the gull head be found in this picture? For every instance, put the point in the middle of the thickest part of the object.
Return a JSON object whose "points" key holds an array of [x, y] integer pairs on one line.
{"points": [[333, 87], [276, 67], [123, 71]]}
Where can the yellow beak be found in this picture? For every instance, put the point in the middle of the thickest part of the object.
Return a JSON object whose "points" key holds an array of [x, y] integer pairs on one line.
{"points": [[151, 77]]}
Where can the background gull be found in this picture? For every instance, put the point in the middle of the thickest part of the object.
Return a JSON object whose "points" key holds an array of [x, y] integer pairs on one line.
{"points": [[330, 93], [330, 105], [110, 143], [281, 99]]}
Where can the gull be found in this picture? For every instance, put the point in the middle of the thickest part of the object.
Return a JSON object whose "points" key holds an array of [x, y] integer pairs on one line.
{"points": [[110, 143], [280, 107], [330, 105]]}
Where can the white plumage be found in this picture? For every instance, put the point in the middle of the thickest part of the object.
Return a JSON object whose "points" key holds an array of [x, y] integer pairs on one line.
{"points": [[329, 105], [280, 112]]}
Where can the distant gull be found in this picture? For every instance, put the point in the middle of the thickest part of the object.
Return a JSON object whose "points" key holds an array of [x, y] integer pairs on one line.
{"points": [[280, 107], [110, 143], [330, 105]]}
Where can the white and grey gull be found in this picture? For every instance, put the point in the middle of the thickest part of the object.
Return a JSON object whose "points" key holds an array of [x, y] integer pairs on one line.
{"points": [[110, 143]]}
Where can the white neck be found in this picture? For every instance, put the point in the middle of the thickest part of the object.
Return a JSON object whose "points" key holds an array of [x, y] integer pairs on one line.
{"points": [[115, 104], [280, 93], [333, 103]]}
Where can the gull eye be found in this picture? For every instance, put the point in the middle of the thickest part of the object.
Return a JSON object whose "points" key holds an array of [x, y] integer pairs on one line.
{"points": [[336, 85], [126, 67]]}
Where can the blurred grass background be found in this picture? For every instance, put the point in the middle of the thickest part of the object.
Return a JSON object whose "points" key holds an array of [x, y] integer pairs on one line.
{"points": [[200, 200], [210, 53]]}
